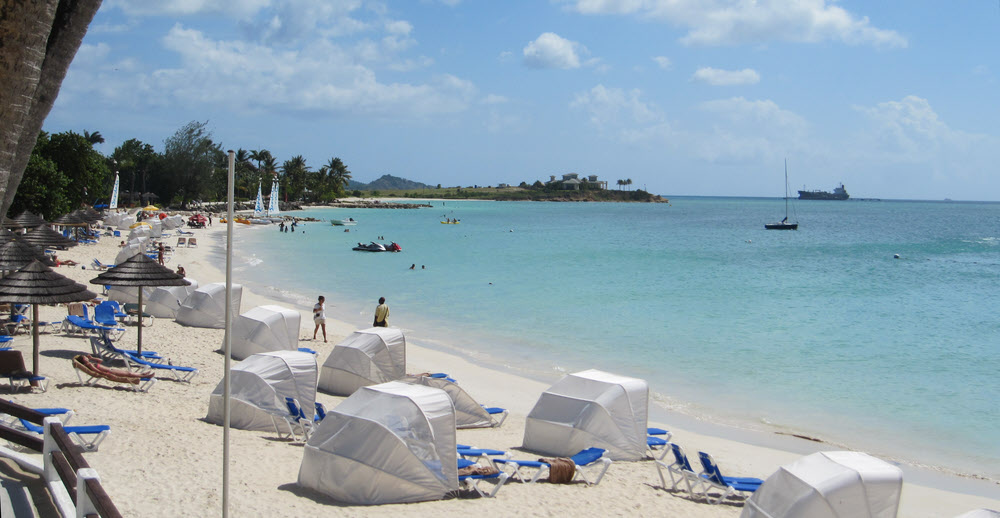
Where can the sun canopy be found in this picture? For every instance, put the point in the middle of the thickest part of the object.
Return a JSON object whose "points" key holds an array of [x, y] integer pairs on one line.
{"points": [[164, 301], [590, 409], [388, 443], [832, 484], [206, 306], [366, 357], [265, 328], [259, 386], [468, 413]]}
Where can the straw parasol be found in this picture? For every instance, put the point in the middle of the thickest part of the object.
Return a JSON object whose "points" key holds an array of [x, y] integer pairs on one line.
{"points": [[45, 237], [91, 215], [25, 220], [37, 284], [139, 270], [15, 255]]}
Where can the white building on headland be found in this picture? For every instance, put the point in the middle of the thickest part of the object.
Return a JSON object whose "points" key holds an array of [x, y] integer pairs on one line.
{"points": [[572, 181]]}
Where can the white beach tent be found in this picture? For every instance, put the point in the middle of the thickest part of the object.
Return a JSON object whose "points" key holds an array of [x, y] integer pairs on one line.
{"points": [[166, 300], [366, 357], [259, 386], [129, 294], [124, 221], [265, 328], [130, 249], [206, 306], [387, 443], [980, 513], [590, 409], [832, 484], [468, 413]]}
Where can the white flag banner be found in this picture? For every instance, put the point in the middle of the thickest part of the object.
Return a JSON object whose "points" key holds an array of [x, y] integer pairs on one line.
{"points": [[114, 195]]}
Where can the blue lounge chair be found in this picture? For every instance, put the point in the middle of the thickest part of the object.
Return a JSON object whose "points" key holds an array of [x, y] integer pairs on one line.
{"points": [[184, 374], [657, 440], [307, 350], [592, 459], [97, 434], [471, 482], [98, 265], [320, 411], [680, 471], [482, 454], [296, 421], [495, 411], [728, 486], [104, 315], [12, 368], [103, 347]]}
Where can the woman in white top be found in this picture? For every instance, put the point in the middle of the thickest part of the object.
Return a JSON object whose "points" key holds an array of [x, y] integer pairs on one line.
{"points": [[319, 317]]}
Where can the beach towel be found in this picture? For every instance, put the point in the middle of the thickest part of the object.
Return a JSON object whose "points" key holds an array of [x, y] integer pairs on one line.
{"points": [[561, 470]]}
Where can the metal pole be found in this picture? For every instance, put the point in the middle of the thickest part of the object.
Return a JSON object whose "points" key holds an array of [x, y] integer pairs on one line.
{"points": [[139, 348], [228, 344]]}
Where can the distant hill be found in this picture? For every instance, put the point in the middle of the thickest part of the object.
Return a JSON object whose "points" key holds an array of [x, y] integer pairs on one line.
{"points": [[387, 183]]}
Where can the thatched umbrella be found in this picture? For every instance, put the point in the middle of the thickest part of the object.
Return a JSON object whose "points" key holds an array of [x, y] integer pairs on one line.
{"points": [[25, 220], [37, 284], [91, 215], [139, 270], [15, 255], [45, 237]]}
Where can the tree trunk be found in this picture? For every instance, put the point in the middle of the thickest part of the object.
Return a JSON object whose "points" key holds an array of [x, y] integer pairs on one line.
{"points": [[38, 40]]}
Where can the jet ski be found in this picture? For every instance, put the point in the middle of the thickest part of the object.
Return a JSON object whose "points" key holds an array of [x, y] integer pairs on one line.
{"points": [[377, 247]]}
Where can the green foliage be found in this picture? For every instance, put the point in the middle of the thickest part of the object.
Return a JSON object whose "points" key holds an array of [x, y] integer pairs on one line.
{"points": [[295, 172], [190, 159], [74, 156], [134, 161], [43, 188]]}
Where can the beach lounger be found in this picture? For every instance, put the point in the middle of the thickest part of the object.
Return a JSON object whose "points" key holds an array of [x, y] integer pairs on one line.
{"points": [[98, 265], [295, 420], [471, 481], [320, 411], [182, 241], [495, 411], [74, 324], [680, 471], [591, 465], [192, 242], [104, 315], [79, 434], [103, 347], [728, 486], [95, 371], [482, 454], [307, 350], [184, 374], [132, 311], [12, 368]]}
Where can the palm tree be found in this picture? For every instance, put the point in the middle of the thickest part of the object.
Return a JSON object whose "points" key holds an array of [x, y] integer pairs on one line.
{"points": [[93, 138], [338, 175], [295, 171], [628, 182], [620, 183], [38, 49]]}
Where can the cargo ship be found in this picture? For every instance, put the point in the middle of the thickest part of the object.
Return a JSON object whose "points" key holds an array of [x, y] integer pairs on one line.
{"points": [[838, 194]]}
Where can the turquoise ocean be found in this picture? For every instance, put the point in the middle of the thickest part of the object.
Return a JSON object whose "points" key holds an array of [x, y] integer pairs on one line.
{"points": [[819, 331]]}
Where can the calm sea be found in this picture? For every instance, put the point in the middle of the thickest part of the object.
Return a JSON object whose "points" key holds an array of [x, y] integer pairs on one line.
{"points": [[819, 331]]}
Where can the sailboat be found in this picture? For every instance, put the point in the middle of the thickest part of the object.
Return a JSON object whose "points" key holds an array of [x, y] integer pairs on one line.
{"points": [[258, 210], [273, 212], [783, 224]]}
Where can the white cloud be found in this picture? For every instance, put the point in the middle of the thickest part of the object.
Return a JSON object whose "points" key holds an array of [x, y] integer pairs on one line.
{"points": [[622, 113], [552, 51], [663, 62], [495, 99], [237, 8], [725, 22], [743, 130], [717, 77], [910, 130], [400, 27]]}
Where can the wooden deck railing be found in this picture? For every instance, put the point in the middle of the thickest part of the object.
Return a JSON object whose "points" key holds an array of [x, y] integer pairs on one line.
{"points": [[75, 486]]}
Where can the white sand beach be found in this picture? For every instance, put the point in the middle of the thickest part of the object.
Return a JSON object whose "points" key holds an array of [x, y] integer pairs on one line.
{"points": [[163, 459]]}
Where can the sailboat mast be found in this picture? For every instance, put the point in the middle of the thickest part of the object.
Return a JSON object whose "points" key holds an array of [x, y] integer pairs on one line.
{"points": [[786, 188]]}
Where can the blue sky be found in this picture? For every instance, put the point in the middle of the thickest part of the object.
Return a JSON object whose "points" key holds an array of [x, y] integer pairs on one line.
{"points": [[896, 99]]}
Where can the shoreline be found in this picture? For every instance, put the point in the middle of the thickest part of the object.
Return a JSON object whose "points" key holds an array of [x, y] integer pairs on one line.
{"points": [[772, 436], [162, 433]]}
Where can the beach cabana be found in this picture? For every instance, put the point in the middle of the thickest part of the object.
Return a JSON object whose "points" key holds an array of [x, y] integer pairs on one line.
{"points": [[265, 328], [831, 484], [387, 443], [590, 409], [206, 306], [129, 295], [259, 386], [164, 301], [468, 412], [366, 357]]}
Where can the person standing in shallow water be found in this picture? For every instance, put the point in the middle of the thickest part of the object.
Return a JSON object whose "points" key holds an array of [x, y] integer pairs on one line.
{"points": [[319, 316], [381, 314]]}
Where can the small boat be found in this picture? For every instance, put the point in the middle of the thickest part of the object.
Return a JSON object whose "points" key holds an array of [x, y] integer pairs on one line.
{"points": [[377, 247], [783, 224], [260, 221], [245, 221], [456, 222], [343, 222]]}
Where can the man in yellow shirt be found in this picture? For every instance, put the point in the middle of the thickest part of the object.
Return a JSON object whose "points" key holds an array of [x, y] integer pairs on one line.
{"points": [[381, 313]]}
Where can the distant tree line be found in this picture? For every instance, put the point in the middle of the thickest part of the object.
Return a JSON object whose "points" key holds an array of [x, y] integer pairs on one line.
{"points": [[65, 171]]}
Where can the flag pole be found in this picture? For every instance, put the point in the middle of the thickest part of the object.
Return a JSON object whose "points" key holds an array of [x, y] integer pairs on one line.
{"points": [[227, 347]]}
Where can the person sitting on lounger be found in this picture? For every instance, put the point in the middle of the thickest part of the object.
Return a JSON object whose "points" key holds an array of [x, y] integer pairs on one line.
{"points": [[67, 262]]}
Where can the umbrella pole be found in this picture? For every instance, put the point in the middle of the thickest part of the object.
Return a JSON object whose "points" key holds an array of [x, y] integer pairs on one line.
{"points": [[34, 339], [139, 348]]}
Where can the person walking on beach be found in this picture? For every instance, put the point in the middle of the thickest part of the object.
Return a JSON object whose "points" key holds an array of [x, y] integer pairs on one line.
{"points": [[381, 314], [160, 256], [319, 317]]}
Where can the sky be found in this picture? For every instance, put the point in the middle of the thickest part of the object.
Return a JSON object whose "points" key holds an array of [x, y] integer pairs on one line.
{"points": [[896, 99]]}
